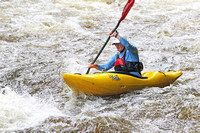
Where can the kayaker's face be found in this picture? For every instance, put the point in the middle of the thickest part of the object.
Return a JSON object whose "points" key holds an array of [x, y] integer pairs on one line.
{"points": [[119, 47]]}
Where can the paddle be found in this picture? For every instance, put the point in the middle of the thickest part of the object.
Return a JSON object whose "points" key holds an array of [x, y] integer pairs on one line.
{"points": [[126, 9]]}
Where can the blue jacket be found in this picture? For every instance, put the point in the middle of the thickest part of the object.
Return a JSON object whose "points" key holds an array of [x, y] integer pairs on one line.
{"points": [[131, 55]]}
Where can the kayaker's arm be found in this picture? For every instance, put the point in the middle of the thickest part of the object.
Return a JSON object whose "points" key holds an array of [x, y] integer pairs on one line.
{"points": [[124, 42], [128, 46], [106, 66], [93, 66], [109, 64], [114, 34]]}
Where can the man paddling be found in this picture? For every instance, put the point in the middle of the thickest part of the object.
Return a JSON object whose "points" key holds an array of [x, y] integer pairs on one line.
{"points": [[125, 60]]}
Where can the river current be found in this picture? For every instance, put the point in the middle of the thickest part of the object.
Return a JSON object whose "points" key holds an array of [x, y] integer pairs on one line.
{"points": [[42, 39]]}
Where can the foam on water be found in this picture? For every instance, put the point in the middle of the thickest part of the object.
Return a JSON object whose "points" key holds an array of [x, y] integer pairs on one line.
{"points": [[23, 111]]}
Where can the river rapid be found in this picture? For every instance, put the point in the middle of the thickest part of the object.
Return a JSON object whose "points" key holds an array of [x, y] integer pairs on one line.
{"points": [[42, 39]]}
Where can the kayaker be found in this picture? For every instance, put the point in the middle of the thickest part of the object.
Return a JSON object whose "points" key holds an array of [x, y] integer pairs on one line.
{"points": [[125, 60]]}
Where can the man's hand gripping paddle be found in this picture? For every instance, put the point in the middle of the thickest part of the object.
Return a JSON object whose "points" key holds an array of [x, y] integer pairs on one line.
{"points": [[126, 9]]}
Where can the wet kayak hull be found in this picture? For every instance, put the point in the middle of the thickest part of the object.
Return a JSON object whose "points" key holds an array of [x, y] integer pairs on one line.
{"points": [[113, 83]]}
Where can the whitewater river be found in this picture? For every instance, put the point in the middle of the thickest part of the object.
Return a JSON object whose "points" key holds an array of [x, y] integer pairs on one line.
{"points": [[42, 39]]}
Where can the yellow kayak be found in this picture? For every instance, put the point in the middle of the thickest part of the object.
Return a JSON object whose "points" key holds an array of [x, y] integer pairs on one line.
{"points": [[113, 83]]}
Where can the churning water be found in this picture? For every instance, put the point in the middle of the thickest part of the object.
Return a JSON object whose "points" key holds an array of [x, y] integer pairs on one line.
{"points": [[42, 39]]}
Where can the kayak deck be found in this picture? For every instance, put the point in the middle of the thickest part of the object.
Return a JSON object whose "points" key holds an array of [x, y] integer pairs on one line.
{"points": [[113, 83]]}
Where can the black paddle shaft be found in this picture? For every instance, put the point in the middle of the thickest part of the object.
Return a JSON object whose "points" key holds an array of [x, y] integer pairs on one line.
{"points": [[103, 46]]}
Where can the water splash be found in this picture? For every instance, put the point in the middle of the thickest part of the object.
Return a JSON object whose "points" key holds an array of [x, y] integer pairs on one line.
{"points": [[22, 111]]}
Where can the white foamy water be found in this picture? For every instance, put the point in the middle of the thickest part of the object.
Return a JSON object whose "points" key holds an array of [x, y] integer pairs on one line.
{"points": [[22, 111], [42, 39]]}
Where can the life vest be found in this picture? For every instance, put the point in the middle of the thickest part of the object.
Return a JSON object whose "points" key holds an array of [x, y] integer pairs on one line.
{"points": [[127, 66]]}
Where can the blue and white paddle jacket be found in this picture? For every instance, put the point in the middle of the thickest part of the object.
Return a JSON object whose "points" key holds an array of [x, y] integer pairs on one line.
{"points": [[131, 55]]}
